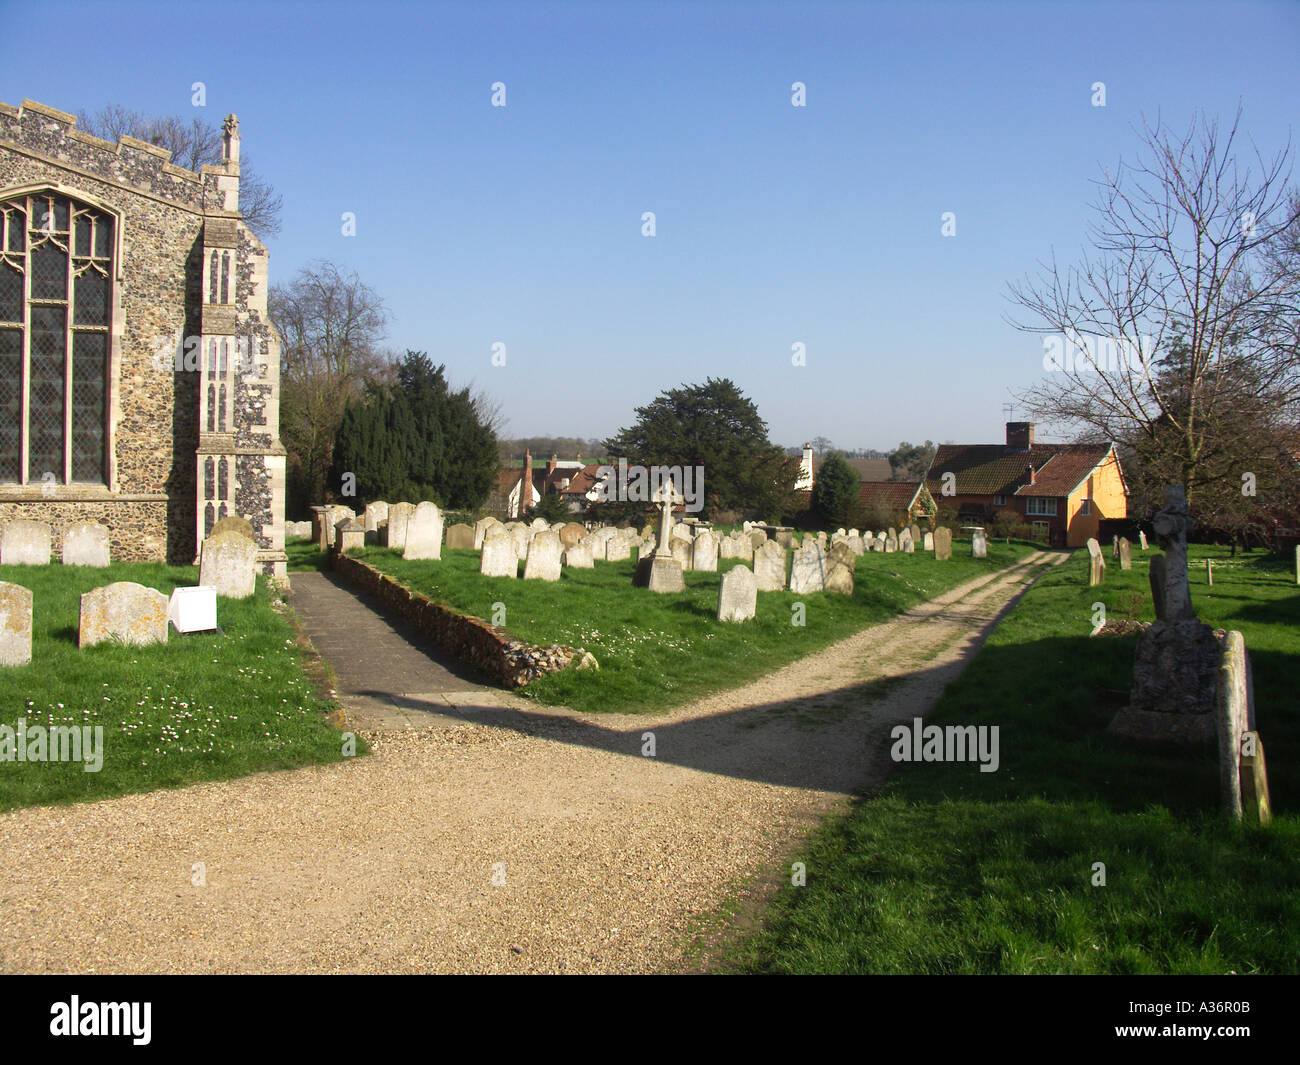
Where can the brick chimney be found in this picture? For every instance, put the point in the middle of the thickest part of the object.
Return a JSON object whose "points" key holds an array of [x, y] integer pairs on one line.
{"points": [[1029, 470], [550, 464], [1020, 436]]}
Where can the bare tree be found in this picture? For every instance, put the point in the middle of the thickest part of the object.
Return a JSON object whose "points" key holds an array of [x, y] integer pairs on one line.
{"points": [[193, 144], [330, 325], [1183, 315]]}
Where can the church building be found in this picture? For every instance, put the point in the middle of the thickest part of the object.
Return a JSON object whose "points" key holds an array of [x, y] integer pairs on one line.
{"points": [[139, 374]]}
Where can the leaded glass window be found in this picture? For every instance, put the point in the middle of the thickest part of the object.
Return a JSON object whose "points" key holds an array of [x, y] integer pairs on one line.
{"points": [[56, 280]]}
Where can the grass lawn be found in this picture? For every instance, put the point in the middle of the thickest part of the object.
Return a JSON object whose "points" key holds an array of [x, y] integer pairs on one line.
{"points": [[200, 707], [950, 870], [657, 651]]}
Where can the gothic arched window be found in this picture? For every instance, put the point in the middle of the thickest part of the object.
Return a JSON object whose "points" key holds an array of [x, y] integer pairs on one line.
{"points": [[56, 284]]}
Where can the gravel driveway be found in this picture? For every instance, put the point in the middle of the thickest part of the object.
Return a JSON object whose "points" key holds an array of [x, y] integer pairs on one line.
{"points": [[505, 838]]}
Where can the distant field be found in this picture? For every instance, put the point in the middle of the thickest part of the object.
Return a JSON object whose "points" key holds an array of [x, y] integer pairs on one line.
{"points": [[949, 870], [200, 707], [659, 651]]}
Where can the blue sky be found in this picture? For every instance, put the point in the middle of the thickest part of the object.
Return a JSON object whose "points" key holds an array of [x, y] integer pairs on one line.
{"points": [[775, 224]]}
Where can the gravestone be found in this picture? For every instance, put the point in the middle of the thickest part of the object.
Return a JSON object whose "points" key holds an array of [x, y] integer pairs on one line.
{"points": [[1096, 563], [543, 557], [840, 564], [928, 542], [234, 523], [905, 541], [499, 557], [460, 537], [645, 550], [86, 545], [127, 612], [808, 569], [1125, 553], [681, 552], [729, 547], [399, 519], [1233, 720], [350, 535], [572, 534], [757, 538], [521, 536], [25, 543], [979, 547], [915, 530], [769, 566], [1176, 666], [480, 530], [1156, 576], [579, 557], [617, 548], [424, 533], [539, 525], [891, 542], [1142, 539], [595, 545], [784, 537], [855, 544], [704, 552], [942, 543], [228, 563], [374, 515], [15, 624], [662, 571], [737, 594], [1114, 551]]}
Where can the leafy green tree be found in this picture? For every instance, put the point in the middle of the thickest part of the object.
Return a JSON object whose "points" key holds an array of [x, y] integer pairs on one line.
{"points": [[550, 507], [714, 426], [835, 492], [417, 439], [908, 462]]}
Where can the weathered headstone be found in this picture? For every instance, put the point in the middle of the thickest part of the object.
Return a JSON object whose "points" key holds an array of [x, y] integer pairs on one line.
{"points": [[1233, 720], [228, 563], [1125, 553], [350, 535], [1176, 667], [499, 557], [769, 566], [374, 515], [905, 543], [480, 530], [928, 541], [891, 542], [840, 564], [15, 624], [1156, 575], [543, 562], [979, 547], [915, 530], [572, 534], [521, 536], [662, 571], [942, 543], [1142, 539], [460, 537], [539, 525], [595, 545], [424, 533], [86, 545], [579, 557], [1254, 781], [399, 519], [681, 552], [25, 543], [757, 538], [704, 552], [737, 594], [1114, 550], [808, 569], [617, 548], [234, 523], [127, 612], [1096, 563]]}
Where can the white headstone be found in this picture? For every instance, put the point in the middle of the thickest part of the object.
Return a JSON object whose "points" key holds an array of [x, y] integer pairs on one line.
{"points": [[544, 552], [86, 545], [808, 569], [704, 552], [25, 543], [499, 558], [769, 566], [424, 533], [737, 594], [228, 563]]}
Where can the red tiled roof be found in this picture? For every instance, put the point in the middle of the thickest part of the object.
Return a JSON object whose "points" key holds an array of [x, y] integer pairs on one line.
{"points": [[990, 469], [583, 481], [896, 495]]}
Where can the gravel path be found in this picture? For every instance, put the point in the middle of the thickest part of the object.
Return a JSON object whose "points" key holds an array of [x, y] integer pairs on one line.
{"points": [[387, 864]]}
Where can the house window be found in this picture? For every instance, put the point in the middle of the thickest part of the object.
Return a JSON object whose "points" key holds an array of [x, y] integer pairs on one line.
{"points": [[56, 271], [1085, 507], [999, 501], [1040, 505]]}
